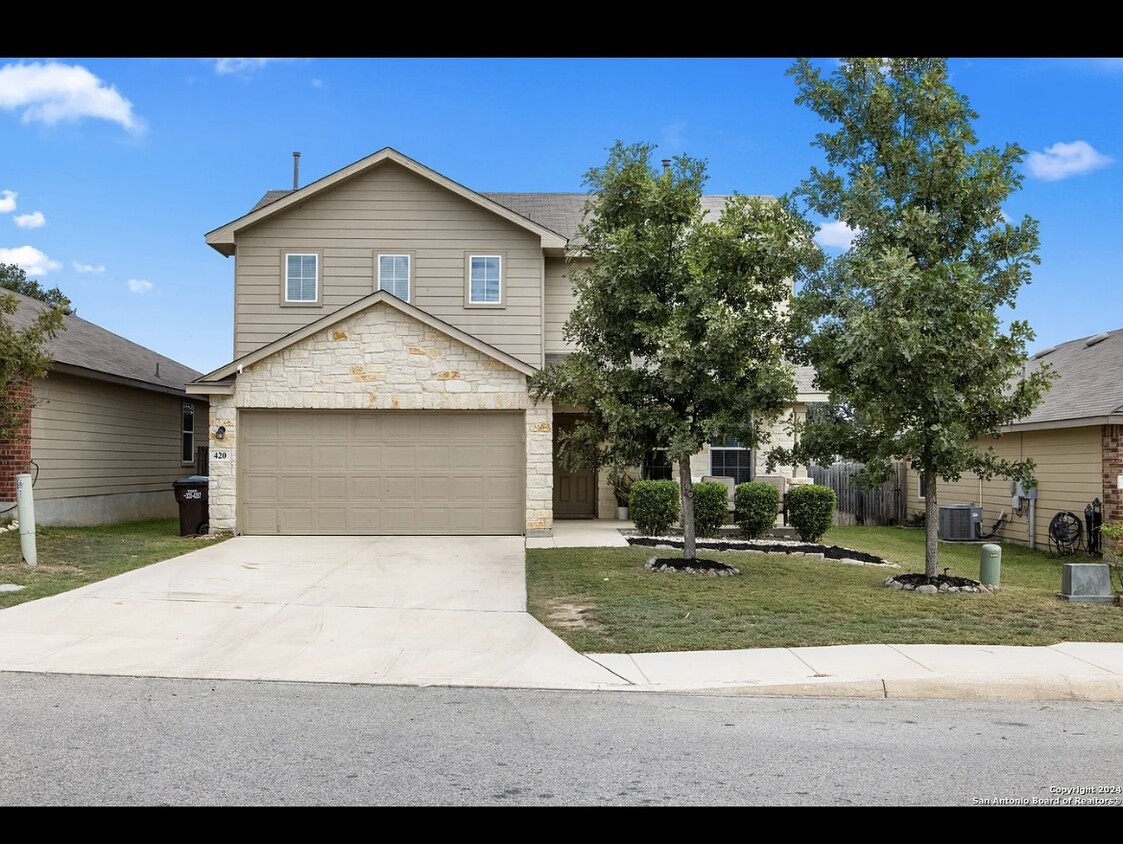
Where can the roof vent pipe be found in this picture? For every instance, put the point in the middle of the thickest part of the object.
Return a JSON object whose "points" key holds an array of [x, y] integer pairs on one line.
{"points": [[295, 170], [666, 165]]}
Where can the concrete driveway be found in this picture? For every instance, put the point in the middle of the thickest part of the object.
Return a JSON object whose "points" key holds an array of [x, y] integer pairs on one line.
{"points": [[378, 609]]}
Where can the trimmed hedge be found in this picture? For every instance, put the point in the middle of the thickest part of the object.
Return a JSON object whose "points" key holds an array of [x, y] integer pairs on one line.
{"points": [[757, 504], [711, 506], [811, 510], [653, 506]]}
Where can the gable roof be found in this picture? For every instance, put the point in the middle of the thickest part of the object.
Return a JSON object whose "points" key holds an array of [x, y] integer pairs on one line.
{"points": [[1087, 389], [380, 297], [222, 239], [91, 351]]}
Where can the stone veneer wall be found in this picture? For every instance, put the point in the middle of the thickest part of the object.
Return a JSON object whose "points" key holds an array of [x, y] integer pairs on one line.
{"points": [[382, 359]]}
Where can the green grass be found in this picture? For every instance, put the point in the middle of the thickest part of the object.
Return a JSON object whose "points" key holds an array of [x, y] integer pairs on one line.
{"points": [[69, 557], [602, 600]]}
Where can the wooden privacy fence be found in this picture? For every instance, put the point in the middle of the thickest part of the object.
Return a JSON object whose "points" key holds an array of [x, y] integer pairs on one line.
{"points": [[883, 505]]}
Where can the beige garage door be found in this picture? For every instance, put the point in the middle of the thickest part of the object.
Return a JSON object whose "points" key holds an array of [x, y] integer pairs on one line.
{"points": [[375, 472]]}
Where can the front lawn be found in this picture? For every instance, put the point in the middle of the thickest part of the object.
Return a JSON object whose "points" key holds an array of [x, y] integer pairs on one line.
{"points": [[602, 600], [69, 557]]}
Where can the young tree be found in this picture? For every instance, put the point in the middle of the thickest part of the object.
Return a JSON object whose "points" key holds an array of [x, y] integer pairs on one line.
{"points": [[13, 277], [22, 357], [681, 318], [905, 328]]}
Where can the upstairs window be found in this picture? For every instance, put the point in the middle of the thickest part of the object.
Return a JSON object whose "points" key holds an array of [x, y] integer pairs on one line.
{"points": [[393, 275], [485, 280], [302, 278]]}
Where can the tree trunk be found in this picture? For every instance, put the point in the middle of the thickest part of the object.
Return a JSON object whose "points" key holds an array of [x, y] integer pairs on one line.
{"points": [[931, 524], [686, 495]]}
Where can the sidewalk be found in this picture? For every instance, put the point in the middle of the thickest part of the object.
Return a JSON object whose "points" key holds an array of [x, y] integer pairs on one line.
{"points": [[1088, 671]]}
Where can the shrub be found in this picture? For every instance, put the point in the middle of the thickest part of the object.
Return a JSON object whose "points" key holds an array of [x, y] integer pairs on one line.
{"points": [[711, 506], [811, 510], [757, 504], [654, 506]]}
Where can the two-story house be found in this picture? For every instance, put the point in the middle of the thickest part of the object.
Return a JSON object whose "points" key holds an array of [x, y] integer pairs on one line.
{"points": [[386, 323]]}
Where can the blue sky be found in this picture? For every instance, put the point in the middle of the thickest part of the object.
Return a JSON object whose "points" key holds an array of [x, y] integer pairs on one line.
{"points": [[112, 170]]}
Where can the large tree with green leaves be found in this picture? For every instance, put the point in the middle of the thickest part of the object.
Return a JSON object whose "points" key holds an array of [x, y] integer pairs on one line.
{"points": [[13, 277], [23, 356], [680, 322], [906, 328]]}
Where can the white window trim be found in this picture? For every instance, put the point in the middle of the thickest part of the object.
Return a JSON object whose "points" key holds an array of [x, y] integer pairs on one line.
{"points": [[501, 301], [183, 430], [919, 482], [409, 271], [302, 303]]}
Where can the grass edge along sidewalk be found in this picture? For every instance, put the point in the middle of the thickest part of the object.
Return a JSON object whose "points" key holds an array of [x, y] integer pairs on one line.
{"points": [[602, 600]]}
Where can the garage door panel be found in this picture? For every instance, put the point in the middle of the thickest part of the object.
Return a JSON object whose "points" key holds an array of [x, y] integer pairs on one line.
{"points": [[293, 425], [338, 472], [431, 457], [294, 457], [327, 457], [296, 489], [330, 488], [330, 519], [365, 457], [262, 488]]}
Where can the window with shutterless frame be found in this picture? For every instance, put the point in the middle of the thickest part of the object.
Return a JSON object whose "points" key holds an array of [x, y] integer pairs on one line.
{"points": [[485, 282], [728, 458], [393, 271], [301, 277]]}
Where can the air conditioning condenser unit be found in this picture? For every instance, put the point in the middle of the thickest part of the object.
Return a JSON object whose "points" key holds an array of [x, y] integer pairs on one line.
{"points": [[960, 522]]}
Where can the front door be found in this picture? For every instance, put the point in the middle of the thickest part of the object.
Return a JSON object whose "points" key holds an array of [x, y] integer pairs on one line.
{"points": [[575, 493]]}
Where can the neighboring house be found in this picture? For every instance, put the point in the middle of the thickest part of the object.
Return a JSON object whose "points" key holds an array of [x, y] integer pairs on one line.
{"points": [[111, 429], [1075, 437], [387, 321]]}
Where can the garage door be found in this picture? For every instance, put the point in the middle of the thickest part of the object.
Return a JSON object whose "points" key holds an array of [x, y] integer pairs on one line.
{"points": [[372, 472]]}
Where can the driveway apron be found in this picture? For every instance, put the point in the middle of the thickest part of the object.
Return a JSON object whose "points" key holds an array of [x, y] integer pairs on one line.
{"points": [[374, 609]]}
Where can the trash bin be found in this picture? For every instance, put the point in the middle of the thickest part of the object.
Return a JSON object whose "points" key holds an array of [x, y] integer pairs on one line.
{"points": [[194, 510]]}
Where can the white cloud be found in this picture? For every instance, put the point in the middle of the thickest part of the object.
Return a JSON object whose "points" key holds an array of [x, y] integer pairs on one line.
{"points": [[87, 268], [224, 67], [137, 285], [30, 221], [836, 234], [1062, 160], [7, 201], [53, 92], [29, 259]]}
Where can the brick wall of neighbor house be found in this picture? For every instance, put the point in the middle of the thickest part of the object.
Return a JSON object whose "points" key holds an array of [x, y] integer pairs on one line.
{"points": [[1112, 498], [15, 453], [381, 359]]}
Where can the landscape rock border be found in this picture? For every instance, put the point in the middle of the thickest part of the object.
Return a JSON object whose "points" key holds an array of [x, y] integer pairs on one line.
{"points": [[834, 553]]}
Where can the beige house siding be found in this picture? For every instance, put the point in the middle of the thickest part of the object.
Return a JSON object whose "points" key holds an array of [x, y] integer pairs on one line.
{"points": [[559, 303], [1069, 475], [383, 360], [106, 452], [390, 209]]}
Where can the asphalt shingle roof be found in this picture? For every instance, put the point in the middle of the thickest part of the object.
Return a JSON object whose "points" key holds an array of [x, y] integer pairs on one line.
{"points": [[92, 347], [1087, 379]]}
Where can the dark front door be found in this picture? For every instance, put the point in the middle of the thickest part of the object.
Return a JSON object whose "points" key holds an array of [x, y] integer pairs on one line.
{"points": [[575, 493]]}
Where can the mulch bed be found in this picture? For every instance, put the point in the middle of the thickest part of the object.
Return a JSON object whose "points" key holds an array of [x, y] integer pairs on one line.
{"points": [[915, 580], [830, 552]]}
